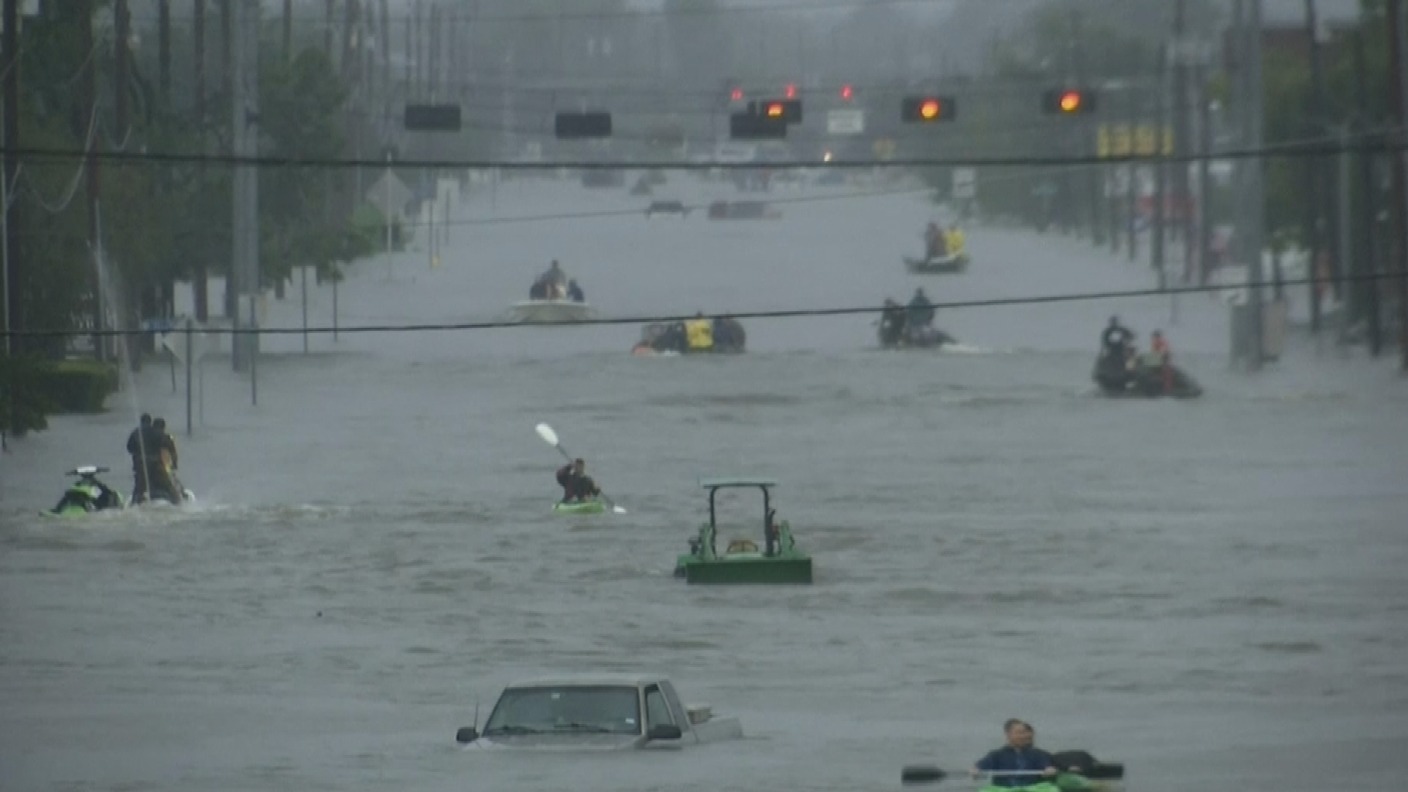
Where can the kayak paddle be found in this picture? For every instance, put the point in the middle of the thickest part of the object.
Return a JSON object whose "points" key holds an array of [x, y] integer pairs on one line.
{"points": [[550, 437], [929, 774]]}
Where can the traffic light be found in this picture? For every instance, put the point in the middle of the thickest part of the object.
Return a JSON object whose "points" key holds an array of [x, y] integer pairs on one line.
{"points": [[576, 126], [754, 126], [432, 118], [790, 91], [847, 93], [736, 95], [789, 110], [927, 109], [1068, 101]]}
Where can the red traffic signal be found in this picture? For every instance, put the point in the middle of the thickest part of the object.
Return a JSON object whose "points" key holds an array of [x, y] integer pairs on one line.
{"points": [[847, 93], [927, 109], [790, 91], [736, 95], [1068, 101]]}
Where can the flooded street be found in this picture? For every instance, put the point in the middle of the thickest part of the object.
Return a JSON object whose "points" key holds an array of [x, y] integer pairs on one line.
{"points": [[1210, 591]]}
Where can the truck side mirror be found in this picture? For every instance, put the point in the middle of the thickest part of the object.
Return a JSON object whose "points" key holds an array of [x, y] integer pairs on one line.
{"points": [[466, 735], [664, 731]]}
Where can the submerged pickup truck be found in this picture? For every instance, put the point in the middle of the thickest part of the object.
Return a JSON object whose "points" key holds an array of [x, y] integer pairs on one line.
{"points": [[601, 712]]}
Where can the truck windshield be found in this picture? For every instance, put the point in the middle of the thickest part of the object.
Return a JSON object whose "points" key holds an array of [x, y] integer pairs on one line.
{"points": [[596, 709]]}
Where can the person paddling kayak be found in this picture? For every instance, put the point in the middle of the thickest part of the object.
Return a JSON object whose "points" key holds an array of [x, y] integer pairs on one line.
{"points": [[576, 485], [1019, 754]]}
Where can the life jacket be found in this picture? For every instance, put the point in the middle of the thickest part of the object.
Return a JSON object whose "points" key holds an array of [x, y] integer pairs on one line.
{"points": [[699, 334]]}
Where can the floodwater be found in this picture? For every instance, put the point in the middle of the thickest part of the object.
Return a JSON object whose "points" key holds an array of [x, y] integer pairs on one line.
{"points": [[1209, 591]]}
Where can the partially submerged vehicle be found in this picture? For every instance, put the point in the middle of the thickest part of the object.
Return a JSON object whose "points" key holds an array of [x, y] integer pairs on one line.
{"points": [[950, 264], [779, 560], [596, 712], [676, 208], [550, 311], [719, 334], [1142, 377], [742, 210]]}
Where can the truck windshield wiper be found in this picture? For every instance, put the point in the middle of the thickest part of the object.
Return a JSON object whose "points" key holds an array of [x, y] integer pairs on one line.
{"points": [[512, 729], [587, 727]]}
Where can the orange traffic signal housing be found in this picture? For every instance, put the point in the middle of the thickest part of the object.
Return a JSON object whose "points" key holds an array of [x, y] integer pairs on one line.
{"points": [[1068, 101], [927, 109]]}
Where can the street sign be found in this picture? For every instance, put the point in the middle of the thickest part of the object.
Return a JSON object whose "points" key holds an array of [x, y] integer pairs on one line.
{"points": [[432, 118], [845, 122], [964, 182]]}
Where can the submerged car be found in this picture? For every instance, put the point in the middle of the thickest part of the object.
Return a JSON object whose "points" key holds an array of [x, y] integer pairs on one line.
{"points": [[598, 712]]}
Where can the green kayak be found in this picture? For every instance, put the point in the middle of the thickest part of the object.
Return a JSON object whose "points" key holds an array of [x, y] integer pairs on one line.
{"points": [[579, 507]]}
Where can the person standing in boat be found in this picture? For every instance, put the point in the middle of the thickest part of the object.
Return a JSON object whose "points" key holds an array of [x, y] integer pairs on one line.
{"points": [[892, 321], [556, 281], [576, 485], [1116, 338], [168, 459], [921, 311], [1160, 355], [574, 292], [934, 243], [1019, 754]]}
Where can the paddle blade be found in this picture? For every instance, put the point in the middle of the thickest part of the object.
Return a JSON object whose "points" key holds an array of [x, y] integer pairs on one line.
{"points": [[921, 774], [544, 431], [1101, 771]]}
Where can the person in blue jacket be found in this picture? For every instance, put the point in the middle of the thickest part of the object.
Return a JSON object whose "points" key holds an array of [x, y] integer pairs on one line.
{"points": [[1018, 754]]}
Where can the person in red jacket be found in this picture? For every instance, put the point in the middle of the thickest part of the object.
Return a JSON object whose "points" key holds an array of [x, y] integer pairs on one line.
{"points": [[1158, 345]]}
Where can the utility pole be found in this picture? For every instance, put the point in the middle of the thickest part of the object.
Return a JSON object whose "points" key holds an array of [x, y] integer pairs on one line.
{"points": [[1316, 195], [163, 48], [1247, 14], [1205, 140], [1257, 203], [1368, 290], [410, 76], [327, 29], [226, 67], [418, 77], [234, 283], [199, 283], [1156, 226], [349, 22], [14, 317], [244, 267], [288, 31], [386, 56], [1181, 134], [88, 88], [1399, 107], [122, 32]]}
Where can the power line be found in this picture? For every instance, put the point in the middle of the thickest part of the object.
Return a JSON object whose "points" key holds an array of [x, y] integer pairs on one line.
{"points": [[1371, 143], [804, 6], [774, 314]]}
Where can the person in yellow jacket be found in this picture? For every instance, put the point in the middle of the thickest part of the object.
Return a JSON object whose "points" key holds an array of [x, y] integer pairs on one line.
{"points": [[955, 240], [699, 333], [169, 460]]}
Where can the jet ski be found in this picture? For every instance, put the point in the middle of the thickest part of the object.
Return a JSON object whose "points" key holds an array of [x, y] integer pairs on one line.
{"points": [[86, 495]]}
